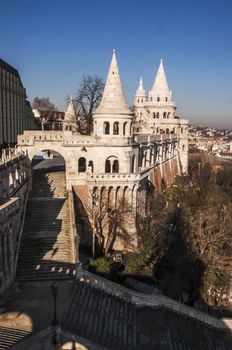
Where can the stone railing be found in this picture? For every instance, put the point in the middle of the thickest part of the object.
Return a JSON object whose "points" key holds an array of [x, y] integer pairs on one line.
{"points": [[153, 300], [29, 137], [8, 208], [75, 237], [155, 138], [9, 154], [111, 177]]}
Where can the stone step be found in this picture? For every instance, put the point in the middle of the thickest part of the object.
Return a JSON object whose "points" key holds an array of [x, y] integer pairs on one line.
{"points": [[9, 337]]}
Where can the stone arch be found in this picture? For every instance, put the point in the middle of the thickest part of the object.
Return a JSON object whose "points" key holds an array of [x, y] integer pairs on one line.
{"points": [[106, 128], [117, 195], [112, 165], [82, 165], [110, 196], [125, 194], [103, 194], [167, 131]]}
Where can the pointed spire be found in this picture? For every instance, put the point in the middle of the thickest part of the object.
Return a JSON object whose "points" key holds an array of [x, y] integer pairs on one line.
{"points": [[70, 112], [141, 91], [113, 99], [160, 84]]}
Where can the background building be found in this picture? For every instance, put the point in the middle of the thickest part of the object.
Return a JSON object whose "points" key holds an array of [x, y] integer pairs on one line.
{"points": [[15, 111]]}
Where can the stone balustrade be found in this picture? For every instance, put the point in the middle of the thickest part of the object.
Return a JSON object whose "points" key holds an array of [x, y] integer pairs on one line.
{"points": [[128, 177], [155, 138], [8, 154], [8, 208], [153, 300], [29, 137]]}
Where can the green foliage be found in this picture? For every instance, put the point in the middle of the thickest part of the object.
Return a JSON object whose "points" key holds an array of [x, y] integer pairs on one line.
{"points": [[135, 266], [100, 266]]}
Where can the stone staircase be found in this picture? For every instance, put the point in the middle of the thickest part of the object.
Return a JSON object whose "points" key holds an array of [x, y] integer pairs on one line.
{"points": [[102, 318], [46, 251], [114, 322], [9, 337]]}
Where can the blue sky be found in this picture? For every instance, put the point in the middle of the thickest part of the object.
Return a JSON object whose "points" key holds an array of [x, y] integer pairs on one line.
{"points": [[53, 43]]}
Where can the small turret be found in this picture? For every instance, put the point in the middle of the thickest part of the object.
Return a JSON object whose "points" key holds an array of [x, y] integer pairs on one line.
{"points": [[140, 96], [70, 119]]}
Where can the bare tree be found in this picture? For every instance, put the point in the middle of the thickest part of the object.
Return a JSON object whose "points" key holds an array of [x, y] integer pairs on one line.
{"points": [[43, 104], [87, 99], [109, 222], [46, 109]]}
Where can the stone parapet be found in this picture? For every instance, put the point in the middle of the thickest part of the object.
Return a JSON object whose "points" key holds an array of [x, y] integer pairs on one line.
{"points": [[8, 208], [145, 138], [154, 300]]}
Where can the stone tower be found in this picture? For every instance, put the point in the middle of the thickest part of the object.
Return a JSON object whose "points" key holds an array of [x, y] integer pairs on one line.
{"points": [[113, 117]]}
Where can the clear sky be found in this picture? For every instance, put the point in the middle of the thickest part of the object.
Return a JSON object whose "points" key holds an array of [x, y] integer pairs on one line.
{"points": [[53, 43]]}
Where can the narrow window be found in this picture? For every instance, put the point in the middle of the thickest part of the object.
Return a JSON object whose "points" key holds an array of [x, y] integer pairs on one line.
{"points": [[106, 128]]}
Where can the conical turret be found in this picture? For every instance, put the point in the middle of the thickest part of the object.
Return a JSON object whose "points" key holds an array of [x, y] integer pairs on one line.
{"points": [[70, 113], [160, 91], [113, 99], [70, 119], [140, 92]]}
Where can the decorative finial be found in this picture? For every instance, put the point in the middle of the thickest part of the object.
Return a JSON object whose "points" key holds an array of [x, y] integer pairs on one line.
{"points": [[161, 61], [114, 50]]}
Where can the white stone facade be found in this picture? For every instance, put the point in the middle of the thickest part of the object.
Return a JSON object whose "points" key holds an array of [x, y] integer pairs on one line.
{"points": [[125, 148]]}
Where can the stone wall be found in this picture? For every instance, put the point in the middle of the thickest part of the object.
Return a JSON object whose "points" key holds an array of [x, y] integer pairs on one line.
{"points": [[149, 300], [13, 197]]}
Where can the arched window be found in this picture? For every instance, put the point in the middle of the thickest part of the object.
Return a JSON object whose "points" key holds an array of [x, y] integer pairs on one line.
{"points": [[124, 128], [166, 99], [183, 147], [157, 115], [111, 165], [167, 131], [153, 115], [165, 114], [116, 128], [91, 165], [158, 98], [181, 130], [82, 165], [115, 168], [107, 166], [106, 128]]}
